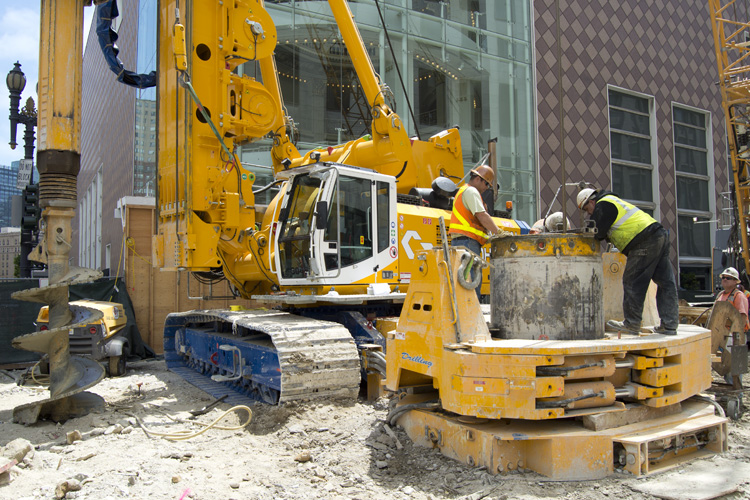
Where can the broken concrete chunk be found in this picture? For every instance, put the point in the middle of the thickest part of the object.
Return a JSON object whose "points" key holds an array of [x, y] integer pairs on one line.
{"points": [[63, 488], [384, 439], [113, 429], [18, 449], [73, 436]]}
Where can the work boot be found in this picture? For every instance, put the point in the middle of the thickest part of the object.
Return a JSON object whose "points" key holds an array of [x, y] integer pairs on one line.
{"points": [[620, 327], [664, 331]]}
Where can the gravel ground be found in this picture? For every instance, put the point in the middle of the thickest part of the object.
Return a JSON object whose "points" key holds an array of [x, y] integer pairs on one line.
{"points": [[328, 450]]}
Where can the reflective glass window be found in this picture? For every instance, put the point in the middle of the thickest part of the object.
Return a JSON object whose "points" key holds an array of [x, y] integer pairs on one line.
{"points": [[631, 145], [694, 188], [632, 183], [462, 63]]}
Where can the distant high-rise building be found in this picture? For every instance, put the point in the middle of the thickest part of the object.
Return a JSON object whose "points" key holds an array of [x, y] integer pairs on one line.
{"points": [[8, 177], [10, 247]]}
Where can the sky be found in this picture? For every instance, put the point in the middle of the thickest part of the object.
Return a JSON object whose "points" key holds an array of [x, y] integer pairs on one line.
{"points": [[19, 33]]}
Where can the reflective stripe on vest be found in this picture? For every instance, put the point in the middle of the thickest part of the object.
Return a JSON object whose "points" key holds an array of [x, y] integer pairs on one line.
{"points": [[629, 222], [465, 223]]}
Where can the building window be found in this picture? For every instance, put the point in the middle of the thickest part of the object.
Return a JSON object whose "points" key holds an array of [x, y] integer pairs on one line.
{"points": [[466, 63], [694, 204], [430, 86], [632, 148]]}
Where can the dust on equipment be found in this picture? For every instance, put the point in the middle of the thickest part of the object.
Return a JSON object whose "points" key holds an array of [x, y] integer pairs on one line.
{"points": [[555, 395]]}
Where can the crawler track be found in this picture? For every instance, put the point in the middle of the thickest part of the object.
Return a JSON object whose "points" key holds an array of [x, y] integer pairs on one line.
{"points": [[273, 356]]}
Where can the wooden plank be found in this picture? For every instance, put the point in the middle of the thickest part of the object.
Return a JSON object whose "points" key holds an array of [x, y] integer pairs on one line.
{"points": [[157, 293], [632, 414], [614, 265]]}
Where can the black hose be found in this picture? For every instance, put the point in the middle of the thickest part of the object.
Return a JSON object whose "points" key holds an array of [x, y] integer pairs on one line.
{"points": [[398, 71], [376, 363], [565, 402], [268, 186], [376, 369], [563, 370], [402, 171], [396, 413], [378, 355]]}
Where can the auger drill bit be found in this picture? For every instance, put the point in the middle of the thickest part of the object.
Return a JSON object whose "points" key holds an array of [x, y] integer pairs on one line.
{"points": [[58, 162]]}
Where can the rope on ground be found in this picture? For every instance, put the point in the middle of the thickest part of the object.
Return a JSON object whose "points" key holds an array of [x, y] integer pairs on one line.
{"points": [[185, 434], [43, 379]]}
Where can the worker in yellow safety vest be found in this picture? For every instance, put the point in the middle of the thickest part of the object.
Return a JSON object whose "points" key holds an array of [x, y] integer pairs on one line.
{"points": [[471, 225], [645, 242]]}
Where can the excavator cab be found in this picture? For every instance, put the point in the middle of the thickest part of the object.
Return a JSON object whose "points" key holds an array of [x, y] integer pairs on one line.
{"points": [[336, 224]]}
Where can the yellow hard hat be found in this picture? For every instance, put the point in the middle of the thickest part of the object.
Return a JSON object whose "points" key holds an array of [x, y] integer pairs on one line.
{"points": [[486, 173]]}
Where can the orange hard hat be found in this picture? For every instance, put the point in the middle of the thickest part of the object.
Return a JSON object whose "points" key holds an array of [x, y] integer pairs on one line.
{"points": [[486, 173]]}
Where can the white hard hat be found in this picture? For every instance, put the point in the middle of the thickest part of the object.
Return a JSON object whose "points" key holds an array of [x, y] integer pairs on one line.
{"points": [[554, 220], [731, 272], [584, 196]]}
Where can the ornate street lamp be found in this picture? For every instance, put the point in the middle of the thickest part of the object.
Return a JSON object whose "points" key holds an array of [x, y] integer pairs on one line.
{"points": [[16, 82]]}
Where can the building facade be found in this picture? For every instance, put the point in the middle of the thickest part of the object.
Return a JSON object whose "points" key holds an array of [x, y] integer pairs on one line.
{"points": [[641, 115], [10, 248], [107, 147]]}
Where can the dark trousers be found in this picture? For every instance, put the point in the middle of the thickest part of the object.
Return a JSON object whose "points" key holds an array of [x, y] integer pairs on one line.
{"points": [[474, 246], [647, 261]]}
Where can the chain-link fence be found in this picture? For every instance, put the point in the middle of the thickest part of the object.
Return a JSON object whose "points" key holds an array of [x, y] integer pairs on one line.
{"points": [[17, 318]]}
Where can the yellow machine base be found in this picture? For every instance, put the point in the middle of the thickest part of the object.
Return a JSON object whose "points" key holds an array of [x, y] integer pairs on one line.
{"points": [[564, 448]]}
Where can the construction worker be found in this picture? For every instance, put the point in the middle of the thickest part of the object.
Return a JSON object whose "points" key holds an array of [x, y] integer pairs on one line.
{"points": [[471, 225], [730, 280], [646, 244]]}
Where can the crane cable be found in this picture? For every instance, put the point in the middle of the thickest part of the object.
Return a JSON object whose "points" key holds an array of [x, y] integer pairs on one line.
{"points": [[398, 70]]}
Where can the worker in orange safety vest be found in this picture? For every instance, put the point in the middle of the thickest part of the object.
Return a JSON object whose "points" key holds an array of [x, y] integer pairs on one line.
{"points": [[471, 225]]}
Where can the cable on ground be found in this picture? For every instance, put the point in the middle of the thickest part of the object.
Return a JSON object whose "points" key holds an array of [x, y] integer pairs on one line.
{"points": [[185, 434]]}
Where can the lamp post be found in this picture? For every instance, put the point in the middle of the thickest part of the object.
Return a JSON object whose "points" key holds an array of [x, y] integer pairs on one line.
{"points": [[16, 82]]}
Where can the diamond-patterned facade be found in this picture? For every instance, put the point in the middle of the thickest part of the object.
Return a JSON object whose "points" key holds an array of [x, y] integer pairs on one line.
{"points": [[661, 49]]}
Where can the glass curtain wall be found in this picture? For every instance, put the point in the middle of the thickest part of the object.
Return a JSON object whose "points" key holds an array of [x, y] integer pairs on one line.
{"points": [[467, 64], [144, 168]]}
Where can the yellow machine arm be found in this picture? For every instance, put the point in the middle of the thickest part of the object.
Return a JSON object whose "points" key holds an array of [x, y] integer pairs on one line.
{"points": [[207, 212], [732, 53], [389, 150]]}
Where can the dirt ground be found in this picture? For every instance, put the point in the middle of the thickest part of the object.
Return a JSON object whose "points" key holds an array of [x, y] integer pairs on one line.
{"points": [[324, 450]]}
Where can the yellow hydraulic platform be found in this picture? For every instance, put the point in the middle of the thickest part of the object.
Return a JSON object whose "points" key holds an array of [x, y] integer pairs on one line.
{"points": [[572, 409]]}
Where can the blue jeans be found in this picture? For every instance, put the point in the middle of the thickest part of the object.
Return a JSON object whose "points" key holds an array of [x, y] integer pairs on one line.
{"points": [[474, 246], [647, 261]]}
